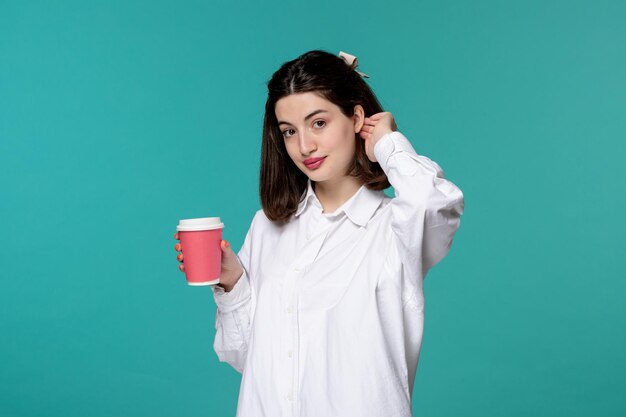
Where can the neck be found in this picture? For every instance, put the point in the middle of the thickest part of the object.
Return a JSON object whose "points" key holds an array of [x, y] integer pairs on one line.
{"points": [[333, 195]]}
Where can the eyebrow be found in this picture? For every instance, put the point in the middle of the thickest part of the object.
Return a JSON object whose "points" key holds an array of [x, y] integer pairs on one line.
{"points": [[280, 122]]}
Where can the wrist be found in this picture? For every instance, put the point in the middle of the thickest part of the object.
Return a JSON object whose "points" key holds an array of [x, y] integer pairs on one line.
{"points": [[382, 135], [226, 288], [230, 279]]}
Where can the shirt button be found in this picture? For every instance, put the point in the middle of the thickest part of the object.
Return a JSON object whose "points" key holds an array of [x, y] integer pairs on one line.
{"points": [[290, 397], [297, 269], [290, 309], [308, 237], [290, 353]]}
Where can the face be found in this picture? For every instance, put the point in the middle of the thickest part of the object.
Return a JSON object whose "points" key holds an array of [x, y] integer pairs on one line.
{"points": [[315, 128]]}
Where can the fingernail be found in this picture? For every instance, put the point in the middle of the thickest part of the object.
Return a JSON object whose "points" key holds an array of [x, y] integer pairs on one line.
{"points": [[226, 244], [179, 257], [177, 247], [176, 235], [181, 267]]}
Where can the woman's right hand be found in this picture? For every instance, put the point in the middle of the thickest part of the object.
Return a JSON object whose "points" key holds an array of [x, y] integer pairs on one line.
{"points": [[231, 269]]}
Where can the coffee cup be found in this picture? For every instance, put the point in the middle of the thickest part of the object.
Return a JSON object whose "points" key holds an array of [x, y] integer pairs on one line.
{"points": [[200, 241]]}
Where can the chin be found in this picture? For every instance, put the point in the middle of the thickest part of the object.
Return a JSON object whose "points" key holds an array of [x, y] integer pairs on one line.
{"points": [[315, 177], [319, 178]]}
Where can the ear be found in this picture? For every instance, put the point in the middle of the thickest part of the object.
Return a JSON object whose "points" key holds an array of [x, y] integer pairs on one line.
{"points": [[358, 118]]}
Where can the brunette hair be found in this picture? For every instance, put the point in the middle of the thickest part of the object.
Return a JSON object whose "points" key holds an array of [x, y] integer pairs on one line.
{"points": [[282, 184]]}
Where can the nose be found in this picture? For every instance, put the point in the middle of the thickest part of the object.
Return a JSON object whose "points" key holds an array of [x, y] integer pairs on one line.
{"points": [[307, 145]]}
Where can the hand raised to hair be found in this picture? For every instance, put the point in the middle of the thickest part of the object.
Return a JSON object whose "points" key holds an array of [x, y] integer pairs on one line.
{"points": [[375, 127]]}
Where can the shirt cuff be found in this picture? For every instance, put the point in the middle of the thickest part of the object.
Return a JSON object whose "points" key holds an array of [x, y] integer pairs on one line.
{"points": [[394, 150], [235, 298], [389, 144]]}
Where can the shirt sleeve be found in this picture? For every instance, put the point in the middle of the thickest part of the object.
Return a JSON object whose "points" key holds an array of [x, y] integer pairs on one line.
{"points": [[426, 209], [234, 313]]}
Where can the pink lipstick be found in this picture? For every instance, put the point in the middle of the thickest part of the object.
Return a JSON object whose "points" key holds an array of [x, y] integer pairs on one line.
{"points": [[313, 163]]}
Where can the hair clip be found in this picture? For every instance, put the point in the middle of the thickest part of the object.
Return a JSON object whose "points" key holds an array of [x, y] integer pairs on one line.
{"points": [[352, 61]]}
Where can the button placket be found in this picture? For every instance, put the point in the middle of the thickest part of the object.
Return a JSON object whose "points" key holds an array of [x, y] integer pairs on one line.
{"points": [[295, 271], [295, 274], [315, 226], [293, 358]]}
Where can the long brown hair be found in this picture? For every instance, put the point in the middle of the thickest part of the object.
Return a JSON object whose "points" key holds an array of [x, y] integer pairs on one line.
{"points": [[282, 184]]}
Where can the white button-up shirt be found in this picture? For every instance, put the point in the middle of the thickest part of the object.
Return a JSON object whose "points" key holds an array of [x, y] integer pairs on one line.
{"points": [[327, 318]]}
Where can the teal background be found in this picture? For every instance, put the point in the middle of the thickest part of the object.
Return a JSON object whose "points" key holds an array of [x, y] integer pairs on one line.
{"points": [[117, 118]]}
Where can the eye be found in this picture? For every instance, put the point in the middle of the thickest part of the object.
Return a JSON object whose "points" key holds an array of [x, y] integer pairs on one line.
{"points": [[320, 121], [285, 131]]}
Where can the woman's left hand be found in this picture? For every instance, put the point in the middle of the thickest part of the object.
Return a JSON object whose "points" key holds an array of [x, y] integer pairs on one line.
{"points": [[375, 127]]}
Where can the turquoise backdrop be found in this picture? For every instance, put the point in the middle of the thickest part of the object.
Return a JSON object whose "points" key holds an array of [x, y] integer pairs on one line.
{"points": [[117, 118]]}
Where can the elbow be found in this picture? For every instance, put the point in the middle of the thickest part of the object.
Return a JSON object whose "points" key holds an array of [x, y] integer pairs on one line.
{"points": [[439, 233], [445, 211]]}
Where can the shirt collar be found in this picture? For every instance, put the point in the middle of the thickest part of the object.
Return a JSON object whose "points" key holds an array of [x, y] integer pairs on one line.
{"points": [[359, 208], [309, 194]]}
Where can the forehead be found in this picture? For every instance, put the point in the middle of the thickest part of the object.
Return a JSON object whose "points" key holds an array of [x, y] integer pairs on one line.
{"points": [[296, 106]]}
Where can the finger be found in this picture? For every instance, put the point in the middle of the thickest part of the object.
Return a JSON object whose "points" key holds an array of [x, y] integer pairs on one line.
{"points": [[381, 115], [177, 247], [228, 254], [176, 236], [179, 257], [181, 267]]}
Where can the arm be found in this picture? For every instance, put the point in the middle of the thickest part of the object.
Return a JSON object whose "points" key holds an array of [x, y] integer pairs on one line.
{"points": [[427, 208], [235, 310]]}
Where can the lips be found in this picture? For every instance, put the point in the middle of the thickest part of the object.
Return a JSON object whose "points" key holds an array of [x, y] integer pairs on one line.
{"points": [[311, 162]]}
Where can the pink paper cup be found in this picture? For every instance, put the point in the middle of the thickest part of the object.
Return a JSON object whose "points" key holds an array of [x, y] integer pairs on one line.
{"points": [[200, 241]]}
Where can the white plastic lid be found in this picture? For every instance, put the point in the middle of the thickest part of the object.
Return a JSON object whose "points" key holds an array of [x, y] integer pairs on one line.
{"points": [[204, 223]]}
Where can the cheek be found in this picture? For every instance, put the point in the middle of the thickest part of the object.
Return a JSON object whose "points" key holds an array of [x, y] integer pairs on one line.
{"points": [[346, 139], [347, 142], [336, 138]]}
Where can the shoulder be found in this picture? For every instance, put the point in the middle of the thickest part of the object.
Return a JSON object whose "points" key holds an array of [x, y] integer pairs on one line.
{"points": [[258, 220], [261, 222]]}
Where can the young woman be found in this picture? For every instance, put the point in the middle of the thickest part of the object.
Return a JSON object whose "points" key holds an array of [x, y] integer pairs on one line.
{"points": [[322, 309]]}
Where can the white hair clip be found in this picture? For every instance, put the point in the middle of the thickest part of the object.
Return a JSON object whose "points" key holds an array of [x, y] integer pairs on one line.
{"points": [[352, 61]]}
